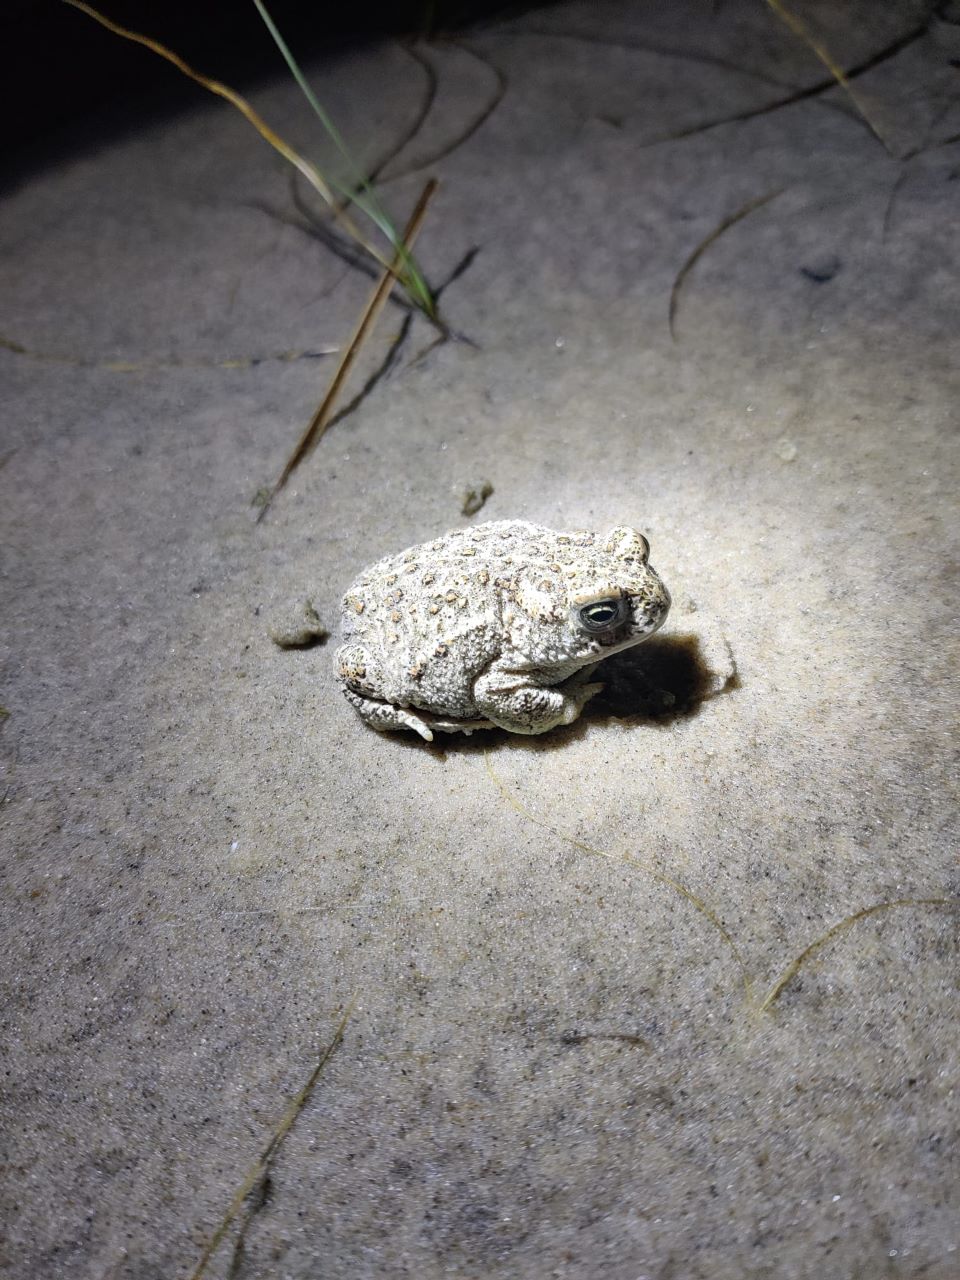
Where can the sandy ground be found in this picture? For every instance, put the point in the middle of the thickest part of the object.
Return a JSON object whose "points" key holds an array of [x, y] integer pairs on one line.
{"points": [[577, 1042]]}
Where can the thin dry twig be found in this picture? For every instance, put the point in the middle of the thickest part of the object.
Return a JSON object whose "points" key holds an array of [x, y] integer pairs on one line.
{"points": [[810, 93], [256, 1200], [392, 357], [383, 370], [799, 29], [751, 113], [705, 244], [795, 965], [629, 44], [621, 1037], [321, 418], [161, 363], [627, 858], [309, 170], [260, 1168], [905, 159], [892, 200]]}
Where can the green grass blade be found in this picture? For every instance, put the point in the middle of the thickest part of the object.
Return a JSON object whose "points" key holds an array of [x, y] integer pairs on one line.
{"points": [[308, 93], [360, 192]]}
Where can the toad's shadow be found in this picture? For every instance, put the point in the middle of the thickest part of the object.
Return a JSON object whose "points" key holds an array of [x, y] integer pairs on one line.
{"points": [[665, 679]]}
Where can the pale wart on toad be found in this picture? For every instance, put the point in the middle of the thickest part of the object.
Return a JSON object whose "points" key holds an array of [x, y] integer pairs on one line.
{"points": [[496, 626]]}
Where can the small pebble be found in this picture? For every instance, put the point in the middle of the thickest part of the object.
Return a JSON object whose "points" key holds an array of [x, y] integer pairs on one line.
{"points": [[296, 625], [821, 270], [473, 496]]}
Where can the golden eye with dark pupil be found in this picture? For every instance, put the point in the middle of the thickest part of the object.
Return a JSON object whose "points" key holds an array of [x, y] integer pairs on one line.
{"points": [[603, 614]]}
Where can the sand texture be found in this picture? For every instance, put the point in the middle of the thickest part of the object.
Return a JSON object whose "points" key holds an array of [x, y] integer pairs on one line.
{"points": [[586, 1037]]}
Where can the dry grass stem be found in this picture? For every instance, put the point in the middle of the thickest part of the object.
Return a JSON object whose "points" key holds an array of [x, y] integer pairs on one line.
{"points": [[798, 28], [262, 1164], [795, 965], [321, 418], [704, 245], [309, 171], [661, 877], [708, 913]]}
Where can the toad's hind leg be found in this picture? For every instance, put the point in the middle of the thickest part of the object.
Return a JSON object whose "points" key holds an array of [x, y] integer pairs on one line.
{"points": [[385, 716], [359, 675]]}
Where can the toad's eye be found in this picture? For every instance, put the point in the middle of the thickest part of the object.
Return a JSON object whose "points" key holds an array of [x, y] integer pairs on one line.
{"points": [[601, 615]]}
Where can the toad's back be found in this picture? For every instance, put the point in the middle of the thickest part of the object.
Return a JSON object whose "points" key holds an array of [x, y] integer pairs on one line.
{"points": [[430, 619]]}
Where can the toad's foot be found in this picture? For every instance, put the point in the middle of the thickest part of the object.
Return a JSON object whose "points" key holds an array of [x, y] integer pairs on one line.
{"points": [[385, 716], [530, 708], [456, 726]]}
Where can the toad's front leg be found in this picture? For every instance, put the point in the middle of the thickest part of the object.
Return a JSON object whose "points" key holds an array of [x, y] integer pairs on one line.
{"points": [[511, 700]]}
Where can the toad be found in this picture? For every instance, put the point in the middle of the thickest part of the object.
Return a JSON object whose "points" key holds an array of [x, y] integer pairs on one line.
{"points": [[496, 626]]}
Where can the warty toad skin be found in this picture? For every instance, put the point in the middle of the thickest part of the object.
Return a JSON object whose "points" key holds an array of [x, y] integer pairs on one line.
{"points": [[499, 625]]}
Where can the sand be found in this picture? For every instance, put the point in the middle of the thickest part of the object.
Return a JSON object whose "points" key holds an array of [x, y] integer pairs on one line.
{"points": [[590, 1029]]}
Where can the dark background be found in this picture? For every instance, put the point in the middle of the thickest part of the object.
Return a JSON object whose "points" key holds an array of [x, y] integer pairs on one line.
{"points": [[65, 81]]}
